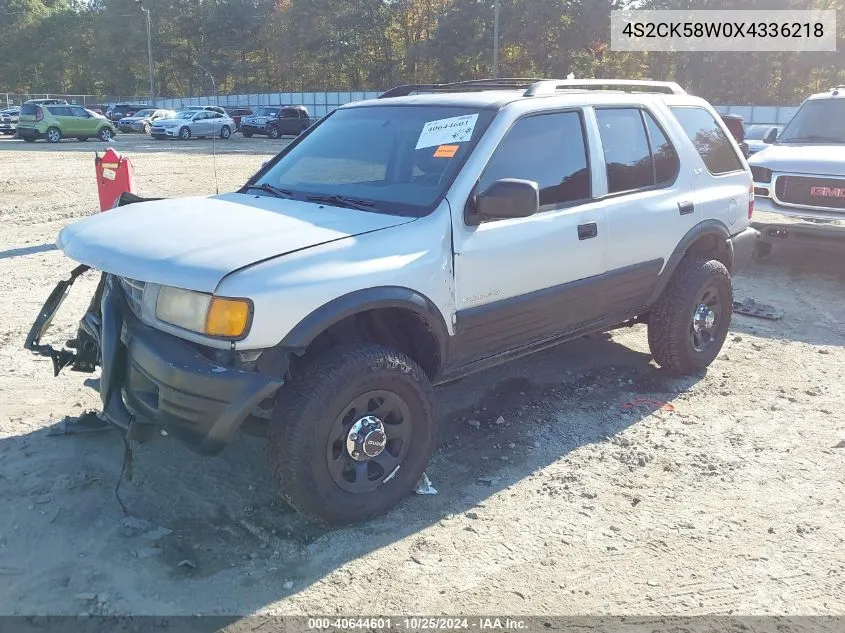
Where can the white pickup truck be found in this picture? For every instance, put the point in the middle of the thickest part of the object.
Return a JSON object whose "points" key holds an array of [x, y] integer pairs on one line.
{"points": [[799, 180]]}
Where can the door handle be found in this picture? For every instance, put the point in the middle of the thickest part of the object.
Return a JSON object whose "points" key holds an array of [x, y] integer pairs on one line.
{"points": [[685, 208], [587, 231]]}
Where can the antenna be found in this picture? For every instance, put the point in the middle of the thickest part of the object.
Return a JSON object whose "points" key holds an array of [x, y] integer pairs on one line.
{"points": [[213, 133]]}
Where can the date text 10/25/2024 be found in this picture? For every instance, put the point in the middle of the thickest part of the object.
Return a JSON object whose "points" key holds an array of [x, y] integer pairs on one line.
{"points": [[417, 624]]}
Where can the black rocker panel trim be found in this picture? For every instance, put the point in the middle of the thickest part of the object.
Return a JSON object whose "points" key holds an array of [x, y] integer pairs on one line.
{"points": [[511, 323]]}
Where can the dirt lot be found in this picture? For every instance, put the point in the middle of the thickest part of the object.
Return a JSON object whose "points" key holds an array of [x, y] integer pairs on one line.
{"points": [[731, 504]]}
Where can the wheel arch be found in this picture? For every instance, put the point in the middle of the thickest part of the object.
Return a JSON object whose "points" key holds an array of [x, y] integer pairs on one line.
{"points": [[709, 237], [396, 300]]}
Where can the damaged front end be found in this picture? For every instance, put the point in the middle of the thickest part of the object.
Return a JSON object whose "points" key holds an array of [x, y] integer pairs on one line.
{"points": [[150, 379]]}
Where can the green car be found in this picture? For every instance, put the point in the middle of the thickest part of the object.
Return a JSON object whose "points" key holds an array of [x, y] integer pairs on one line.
{"points": [[53, 122]]}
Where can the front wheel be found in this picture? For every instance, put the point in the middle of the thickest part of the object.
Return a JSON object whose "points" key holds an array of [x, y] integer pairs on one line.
{"points": [[146, 128], [352, 433], [273, 132], [185, 133], [54, 135], [688, 325], [225, 132], [105, 135]]}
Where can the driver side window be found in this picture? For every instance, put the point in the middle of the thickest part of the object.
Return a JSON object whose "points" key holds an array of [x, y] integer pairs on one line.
{"points": [[548, 149]]}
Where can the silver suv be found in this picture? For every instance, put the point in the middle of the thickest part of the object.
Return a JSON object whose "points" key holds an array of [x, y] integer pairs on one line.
{"points": [[799, 179], [401, 243]]}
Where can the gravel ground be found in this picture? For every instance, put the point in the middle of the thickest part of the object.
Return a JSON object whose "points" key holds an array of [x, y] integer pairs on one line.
{"points": [[554, 496]]}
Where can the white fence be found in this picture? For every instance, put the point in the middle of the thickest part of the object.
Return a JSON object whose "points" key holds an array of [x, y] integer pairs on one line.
{"points": [[760, 114]]}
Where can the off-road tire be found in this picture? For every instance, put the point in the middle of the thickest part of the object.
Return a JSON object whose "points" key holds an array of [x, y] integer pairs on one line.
{"points": [[53, 135], [274, 132], [670, 319], [308, 406], [185, 133]]}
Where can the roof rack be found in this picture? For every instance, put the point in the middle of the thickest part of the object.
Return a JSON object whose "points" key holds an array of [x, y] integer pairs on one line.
{"points": [[551, 86], [538, 87], [472, 85]]}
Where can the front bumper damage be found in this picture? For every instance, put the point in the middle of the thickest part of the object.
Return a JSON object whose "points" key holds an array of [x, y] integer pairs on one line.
{"points": [[150, 379]]}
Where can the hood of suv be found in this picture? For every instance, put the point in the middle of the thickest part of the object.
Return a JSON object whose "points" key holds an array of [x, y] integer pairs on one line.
{"points": [[195, 242], [816, 159]]}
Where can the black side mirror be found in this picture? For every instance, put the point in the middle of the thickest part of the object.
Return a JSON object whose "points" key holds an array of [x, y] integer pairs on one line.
{"points": [[506, 198], [772, 136]]}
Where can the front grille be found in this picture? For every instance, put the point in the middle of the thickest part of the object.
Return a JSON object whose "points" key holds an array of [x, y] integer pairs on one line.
{"points": [[134, 292], [810, 191]]}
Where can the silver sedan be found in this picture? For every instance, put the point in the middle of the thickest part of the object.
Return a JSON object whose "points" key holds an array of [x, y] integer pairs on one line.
{"points": [[188, 123]]}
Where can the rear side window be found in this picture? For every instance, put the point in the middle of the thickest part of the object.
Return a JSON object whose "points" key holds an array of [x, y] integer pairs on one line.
{"points": [[626, 152], [711, 143], [548, 149], [666, 161], [29, 109], [59, 110]]}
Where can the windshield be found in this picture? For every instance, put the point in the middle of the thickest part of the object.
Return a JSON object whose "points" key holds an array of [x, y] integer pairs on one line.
{"points": [[817, 121], [266, 112], [757, 132], [143, 113], [401, 159]]}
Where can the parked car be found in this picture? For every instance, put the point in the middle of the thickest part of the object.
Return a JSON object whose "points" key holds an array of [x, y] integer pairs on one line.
{"points": [[799, 180], [236, 114], [54, 122], [188, 123], [206, 107], [143, 120], [46, 101], [760, 136], [734, 122], [120, 110], [276, 121], [97, 107], [403, 242], [9, 120]]}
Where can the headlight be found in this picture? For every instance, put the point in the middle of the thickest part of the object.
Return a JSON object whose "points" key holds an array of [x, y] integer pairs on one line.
{"points": [[203, 313]]}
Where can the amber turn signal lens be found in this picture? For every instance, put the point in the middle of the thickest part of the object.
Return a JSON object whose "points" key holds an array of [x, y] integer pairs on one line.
{"points": [[227, 317]]}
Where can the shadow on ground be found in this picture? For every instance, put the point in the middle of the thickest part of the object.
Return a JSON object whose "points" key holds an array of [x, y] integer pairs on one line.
{"points": [[227, 522]]}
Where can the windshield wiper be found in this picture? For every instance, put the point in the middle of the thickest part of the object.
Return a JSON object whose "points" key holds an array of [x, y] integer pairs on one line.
{"points": [[276, 191], [342, 201], [813, 137]]}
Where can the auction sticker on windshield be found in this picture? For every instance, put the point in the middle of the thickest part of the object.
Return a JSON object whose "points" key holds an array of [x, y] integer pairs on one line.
{"points": [[457, 129]]}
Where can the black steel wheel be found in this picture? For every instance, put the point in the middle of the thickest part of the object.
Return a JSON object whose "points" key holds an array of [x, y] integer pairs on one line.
{"points": [[688, 324], [351, 433]]}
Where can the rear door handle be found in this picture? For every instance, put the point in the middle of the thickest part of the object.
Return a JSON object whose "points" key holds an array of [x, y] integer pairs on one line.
{"points": [[587, 231], [685, 208]]}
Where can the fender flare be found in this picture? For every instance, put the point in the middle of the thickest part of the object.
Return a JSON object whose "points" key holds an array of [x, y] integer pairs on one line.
{"points": [[358, 301], [706, 227]]}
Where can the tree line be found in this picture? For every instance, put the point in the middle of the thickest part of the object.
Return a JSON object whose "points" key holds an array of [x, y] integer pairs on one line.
{"points": [[100, 47]]}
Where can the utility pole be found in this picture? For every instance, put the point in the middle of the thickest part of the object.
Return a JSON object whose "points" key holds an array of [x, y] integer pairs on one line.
{"points": [[495, 39], [149, 53]]}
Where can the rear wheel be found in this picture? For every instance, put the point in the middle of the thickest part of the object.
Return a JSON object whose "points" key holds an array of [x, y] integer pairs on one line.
{"points": [[352, 433], [105, 135], [54, 135], [689, 323], [225, 132], [273, 132]]}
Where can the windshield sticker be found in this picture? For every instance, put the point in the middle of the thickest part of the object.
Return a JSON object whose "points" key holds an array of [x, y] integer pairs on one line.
{"points": [[456, 129], [445, 151]]}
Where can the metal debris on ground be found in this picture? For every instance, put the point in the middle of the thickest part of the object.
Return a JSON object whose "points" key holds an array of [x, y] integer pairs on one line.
{"points": [[750, 307], [88, 422], [424, 486]]}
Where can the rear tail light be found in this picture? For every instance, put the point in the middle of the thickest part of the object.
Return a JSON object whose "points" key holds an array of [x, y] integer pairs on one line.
{"points": [[39, 113], [761, 174], [750, 200]]}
